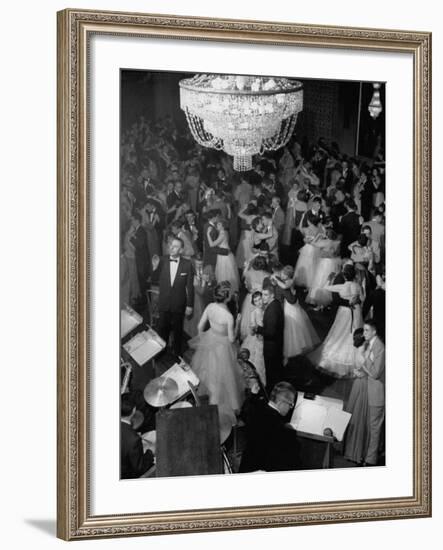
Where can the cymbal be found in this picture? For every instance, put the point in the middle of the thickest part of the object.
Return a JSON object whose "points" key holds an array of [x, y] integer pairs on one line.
{"points": [[161, 391]]}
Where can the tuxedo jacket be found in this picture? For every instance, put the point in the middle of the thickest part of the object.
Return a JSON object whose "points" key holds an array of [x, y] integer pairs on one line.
{"points": [[272, 329], [133, 462], [177, 297], [375, 366], [349, 228], [349, 181]]}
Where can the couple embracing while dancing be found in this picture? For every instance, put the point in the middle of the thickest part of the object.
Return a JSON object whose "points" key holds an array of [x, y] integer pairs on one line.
{"points": [[216, 250]]}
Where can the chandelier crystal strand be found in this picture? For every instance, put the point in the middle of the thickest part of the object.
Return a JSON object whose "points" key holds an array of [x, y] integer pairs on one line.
{"points": [[375, 107], [243, 115]]}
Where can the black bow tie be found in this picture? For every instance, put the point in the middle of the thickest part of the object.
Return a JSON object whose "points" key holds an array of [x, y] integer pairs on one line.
{"points": [[172, 260]]}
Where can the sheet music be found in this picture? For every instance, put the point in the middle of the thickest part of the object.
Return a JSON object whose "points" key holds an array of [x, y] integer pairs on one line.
{"points": [[329, 401], [129, 320], [309, 417], [314, 416], [144, 346], [338, 421]]}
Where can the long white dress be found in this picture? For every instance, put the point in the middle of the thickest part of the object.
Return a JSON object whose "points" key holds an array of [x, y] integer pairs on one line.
{"points": [[328, 263], [254, 343], [215, 361], [308, 259], [299, 335], [244, 248], [336, 355], [226, 266]]}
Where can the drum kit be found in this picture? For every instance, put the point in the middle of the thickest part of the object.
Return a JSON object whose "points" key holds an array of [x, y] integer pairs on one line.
{"points": [[162, 391]]}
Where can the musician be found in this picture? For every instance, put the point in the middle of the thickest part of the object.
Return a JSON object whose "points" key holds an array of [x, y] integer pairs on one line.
{"points": [[175, 277], [133, 461], [271, 445]]}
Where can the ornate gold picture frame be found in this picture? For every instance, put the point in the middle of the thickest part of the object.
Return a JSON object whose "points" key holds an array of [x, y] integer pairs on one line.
{"points": [[75, 30]]}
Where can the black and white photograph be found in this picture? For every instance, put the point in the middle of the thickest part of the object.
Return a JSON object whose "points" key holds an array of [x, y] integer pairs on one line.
{"points": [[252, 274]]}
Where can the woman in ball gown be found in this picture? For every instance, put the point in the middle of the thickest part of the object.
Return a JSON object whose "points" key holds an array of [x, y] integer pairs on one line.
{"points": [[309, 254], [254, 342], [329, 262], [215, 361], [336, 354], [226, 267], [357, 433], [254, 275], [299, 335], [244, 248]]}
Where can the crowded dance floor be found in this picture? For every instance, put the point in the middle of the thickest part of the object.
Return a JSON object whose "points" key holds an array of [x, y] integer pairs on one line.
{"points": [[252, 295]]}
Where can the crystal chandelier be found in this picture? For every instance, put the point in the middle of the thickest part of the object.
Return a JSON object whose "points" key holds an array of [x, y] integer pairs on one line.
{"points": [[375, 107], [242, 115]]}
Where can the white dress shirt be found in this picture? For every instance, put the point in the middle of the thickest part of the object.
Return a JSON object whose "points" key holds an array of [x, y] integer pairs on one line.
{"points": [[173, 267]]}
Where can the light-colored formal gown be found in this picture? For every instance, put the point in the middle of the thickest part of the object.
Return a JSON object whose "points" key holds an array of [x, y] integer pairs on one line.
{"points": [[215, 361], [336, 354], [226, 266]]}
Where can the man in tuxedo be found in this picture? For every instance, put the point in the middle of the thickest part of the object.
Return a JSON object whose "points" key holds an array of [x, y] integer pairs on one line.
{"points": [[210, 252], [272, 332], [349, 227], [271, 444], [175, 277], [314, 211], [374, 367], [133, 461]]}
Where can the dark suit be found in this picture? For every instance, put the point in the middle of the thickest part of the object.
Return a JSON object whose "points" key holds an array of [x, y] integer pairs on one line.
{"points": [[174, 199], [349, 228], [142, 257], [133, 462], [210, 253], [272, 332], [174, 299], [349, 181], [270, 445]]}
